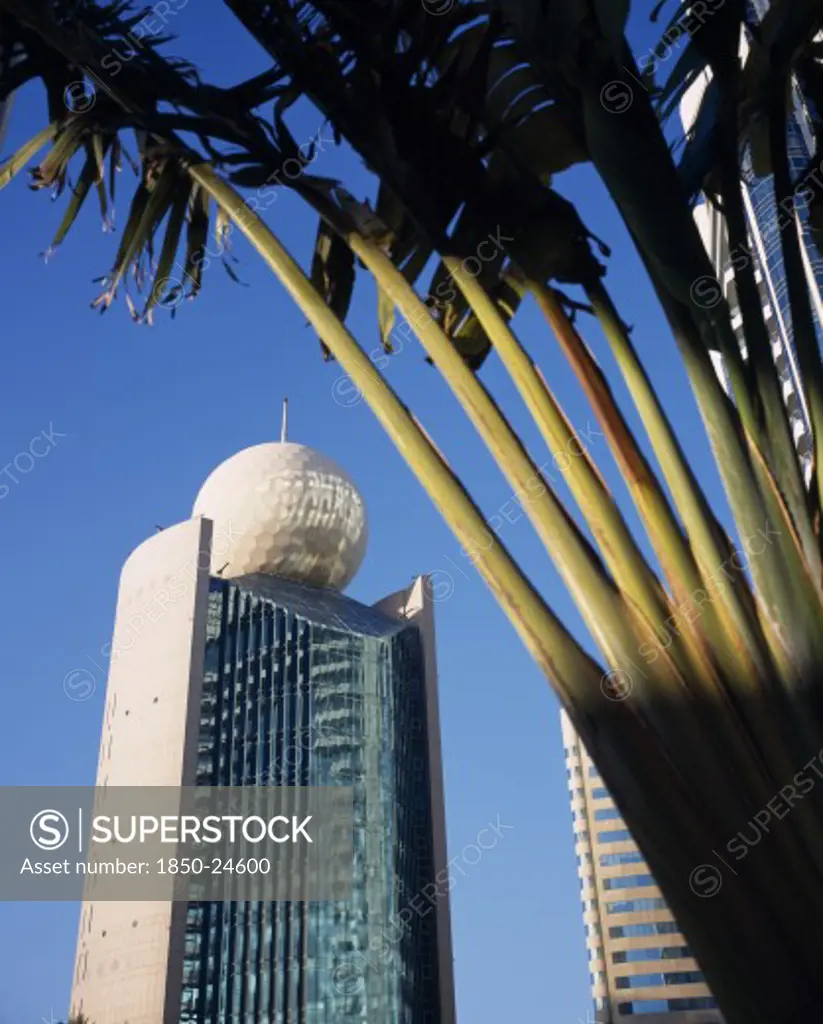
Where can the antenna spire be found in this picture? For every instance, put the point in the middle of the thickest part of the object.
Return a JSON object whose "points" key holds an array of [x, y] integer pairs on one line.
{"points": [[284, 427]]}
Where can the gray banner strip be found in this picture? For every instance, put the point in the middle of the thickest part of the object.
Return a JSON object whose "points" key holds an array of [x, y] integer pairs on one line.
{"points": [[160, 843]]}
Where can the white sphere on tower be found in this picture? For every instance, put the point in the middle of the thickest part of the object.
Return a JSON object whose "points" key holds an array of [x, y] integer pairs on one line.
{"points": [[283, 509]]}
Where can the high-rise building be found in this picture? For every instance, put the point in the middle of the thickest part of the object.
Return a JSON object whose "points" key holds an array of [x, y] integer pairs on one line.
{"points": [[237, 661], [639, 961], [768, 216]]}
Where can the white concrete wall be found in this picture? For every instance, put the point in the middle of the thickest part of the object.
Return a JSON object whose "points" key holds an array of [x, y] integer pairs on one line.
{"points": [[127, 952]]}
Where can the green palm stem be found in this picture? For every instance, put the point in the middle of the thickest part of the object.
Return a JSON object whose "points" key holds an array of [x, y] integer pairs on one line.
{"points": [[648, 193], [684, 726], [576, 676], [735, 636], [619, 549], [740, 641], [788, 603], [738, 440], [564, 544], [807, 730], [766, 764], [802, 317], [786, 594], [396, 286], [708, 541], [756, 660], [603, 608]]}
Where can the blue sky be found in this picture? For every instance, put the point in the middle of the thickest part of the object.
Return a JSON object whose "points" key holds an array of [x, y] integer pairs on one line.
{"points": [[143, 415]]}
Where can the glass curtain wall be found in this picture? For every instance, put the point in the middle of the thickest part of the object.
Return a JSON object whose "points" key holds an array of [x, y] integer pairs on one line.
{"points": [[308, 688]]}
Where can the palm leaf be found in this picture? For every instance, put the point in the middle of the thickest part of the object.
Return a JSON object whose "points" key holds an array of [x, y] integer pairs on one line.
{"points": [[332, 272]]}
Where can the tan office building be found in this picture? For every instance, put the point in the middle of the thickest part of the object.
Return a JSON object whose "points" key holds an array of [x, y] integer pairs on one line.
{"points": [[639, 961]]}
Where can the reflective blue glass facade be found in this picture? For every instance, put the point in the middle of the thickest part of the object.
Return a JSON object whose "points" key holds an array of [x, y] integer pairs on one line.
{"points": [[307, 688]]}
